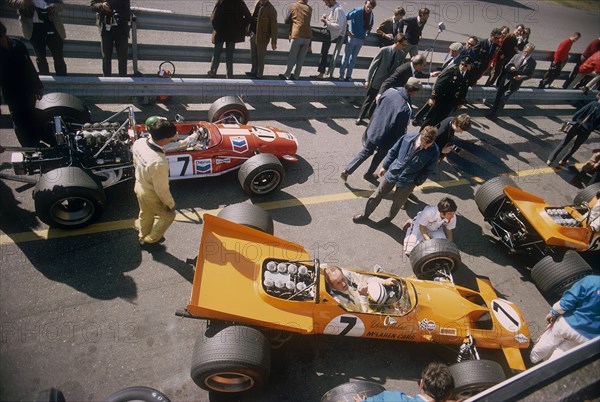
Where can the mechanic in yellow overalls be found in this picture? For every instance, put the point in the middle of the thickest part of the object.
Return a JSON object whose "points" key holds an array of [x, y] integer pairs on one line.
{"points": [[157, 207]]}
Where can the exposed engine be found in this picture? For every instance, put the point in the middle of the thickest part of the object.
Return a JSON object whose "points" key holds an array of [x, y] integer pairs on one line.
{"points": [[289, 280], [515, 231], [562, 217], [102, 148]]}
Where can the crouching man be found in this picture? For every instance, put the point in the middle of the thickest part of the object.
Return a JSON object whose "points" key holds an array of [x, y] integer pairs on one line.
{"points": [[434, 221]]}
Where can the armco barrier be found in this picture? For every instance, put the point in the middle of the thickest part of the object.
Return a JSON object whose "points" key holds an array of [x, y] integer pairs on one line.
{"points": [[207, 88]]}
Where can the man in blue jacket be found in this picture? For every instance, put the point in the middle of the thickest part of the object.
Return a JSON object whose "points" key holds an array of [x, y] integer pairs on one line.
{"points": [[389, 123], [406, 166], [574, 319]]}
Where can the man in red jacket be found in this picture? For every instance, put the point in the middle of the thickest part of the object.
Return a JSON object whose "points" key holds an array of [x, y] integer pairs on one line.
{"points": [[561, 55], [592, 48]]}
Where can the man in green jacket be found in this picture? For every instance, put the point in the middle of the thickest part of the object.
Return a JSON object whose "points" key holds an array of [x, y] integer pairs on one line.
{"points": [[263, 29]]}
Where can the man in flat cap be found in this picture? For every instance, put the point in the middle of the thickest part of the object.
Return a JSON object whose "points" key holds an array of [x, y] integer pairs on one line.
{"points": [[455, 50], [448, 94]]}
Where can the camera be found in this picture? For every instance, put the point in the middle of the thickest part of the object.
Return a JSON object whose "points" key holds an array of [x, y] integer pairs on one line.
{"points": [[116, 18], [455, 148]]}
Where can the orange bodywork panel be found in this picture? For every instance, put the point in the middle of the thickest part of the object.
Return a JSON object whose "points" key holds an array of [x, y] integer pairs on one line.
{"points": [[534, 209], [229, 284]]}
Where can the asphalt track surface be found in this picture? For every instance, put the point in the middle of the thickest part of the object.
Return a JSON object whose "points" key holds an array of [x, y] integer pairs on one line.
{"points": [[89, 312]]}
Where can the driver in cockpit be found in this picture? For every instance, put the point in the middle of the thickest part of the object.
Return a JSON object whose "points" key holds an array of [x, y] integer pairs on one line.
{"points": [[352, 290], [198, 139]]}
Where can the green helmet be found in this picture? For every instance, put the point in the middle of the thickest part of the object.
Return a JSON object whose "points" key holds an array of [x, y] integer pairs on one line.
{"points": [[151, 120]]}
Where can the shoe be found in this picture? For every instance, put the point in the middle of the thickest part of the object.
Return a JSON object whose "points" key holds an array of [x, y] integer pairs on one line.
{"points": [[344, 175], [413, 197], [548, 162], [360, 122], [141, 241], [348, 79], [415, 123], [406, 225], [384, 222], [377, 269], [317, 77], [341, 78], [371, 177], [283, 77], [250, 74], [211, 74], [487, 103], [562, 162], [292, 77], [360, 218], [585, 90]]}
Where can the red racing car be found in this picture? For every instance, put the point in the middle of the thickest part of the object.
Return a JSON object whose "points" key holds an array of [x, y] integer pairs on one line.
{"points": [[87, 158]]}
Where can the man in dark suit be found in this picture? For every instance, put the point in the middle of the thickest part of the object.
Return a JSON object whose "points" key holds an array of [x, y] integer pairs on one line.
{"points": [[520, 68], [389, 28], [406, 70], [386, 62], [484, 54], [448, 94], [414, 30]]}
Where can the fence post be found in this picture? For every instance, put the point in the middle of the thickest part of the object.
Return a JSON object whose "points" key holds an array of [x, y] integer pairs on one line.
{"points": [[134, 47]]}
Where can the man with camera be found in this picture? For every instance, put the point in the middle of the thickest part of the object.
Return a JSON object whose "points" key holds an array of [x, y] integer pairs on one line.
{"points": [[446, 130], [112, 19]]}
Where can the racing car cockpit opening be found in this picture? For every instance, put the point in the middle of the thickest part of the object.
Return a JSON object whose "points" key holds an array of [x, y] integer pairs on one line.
{"points": [[289, 280], [197, 139]]}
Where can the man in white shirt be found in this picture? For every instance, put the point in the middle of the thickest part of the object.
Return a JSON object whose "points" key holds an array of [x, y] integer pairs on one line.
{"points": [[434, 221], [335, 26]]}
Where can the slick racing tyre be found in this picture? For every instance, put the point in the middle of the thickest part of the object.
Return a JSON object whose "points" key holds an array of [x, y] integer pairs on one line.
{"points": [[230, 108], [145, 394], [68, 198], [473, 376], [233, 359], [555, 275], [347, 392], [588, 194], [490, 195], [434, 255], [248, 215], [261, 174]]}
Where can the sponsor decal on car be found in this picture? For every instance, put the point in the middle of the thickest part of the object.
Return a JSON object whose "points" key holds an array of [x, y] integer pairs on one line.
{"points": [[203, 166], [428, 325], [239, 145], [220, 161]]}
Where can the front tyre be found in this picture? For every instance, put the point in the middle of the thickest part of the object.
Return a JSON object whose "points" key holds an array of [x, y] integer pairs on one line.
{"points": [[68, 198], [248, 215], [229, 109], [234, 359], [261, 174], [588, 194], [432, 256], [145, 394], [473, 376], [347, 392]]}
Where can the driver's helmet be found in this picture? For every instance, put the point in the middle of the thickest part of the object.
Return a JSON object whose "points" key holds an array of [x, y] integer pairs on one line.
{"points": [[378, 295], [151, 120]]}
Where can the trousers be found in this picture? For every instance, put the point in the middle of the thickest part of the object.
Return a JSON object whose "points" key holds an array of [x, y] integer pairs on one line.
{"points": [[155, 217], [557, 339], [399, 198]]}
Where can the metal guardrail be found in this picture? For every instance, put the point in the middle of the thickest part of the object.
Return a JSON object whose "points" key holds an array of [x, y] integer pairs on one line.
{"points": [[118, 87], [166, 21]]}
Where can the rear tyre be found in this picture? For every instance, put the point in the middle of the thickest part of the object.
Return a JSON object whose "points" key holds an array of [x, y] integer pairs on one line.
{"points": [[229, 107], [234, 359], [473, 376], [433, 255], [261, 174], [145, 394], [491, 194], [588, 194], [248, 215], [69, 107], [555, 275], [68, 198], [348, 391]]}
